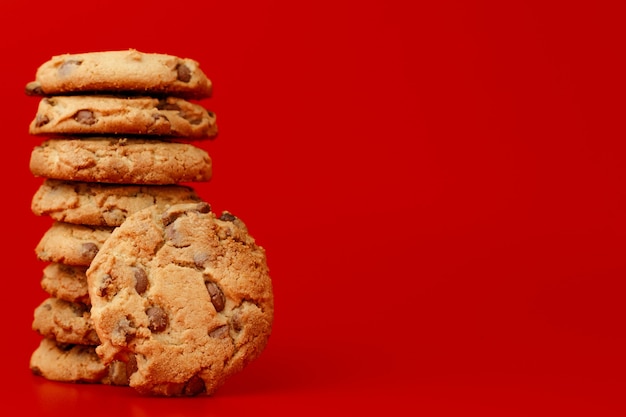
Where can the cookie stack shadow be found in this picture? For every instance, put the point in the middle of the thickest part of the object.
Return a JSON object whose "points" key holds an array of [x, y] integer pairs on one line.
{"points": [[119, 132]]}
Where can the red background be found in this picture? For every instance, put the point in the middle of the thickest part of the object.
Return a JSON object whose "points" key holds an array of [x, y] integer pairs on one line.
{"points": [[440, 188]]}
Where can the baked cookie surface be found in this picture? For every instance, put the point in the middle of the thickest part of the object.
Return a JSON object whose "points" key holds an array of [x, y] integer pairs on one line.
{"points": [[121, 71], [183, 293], [67, 363], [121, 161], [84, 115], [65, 322], [76, 363], [100, 204], [71, 244], [66, 282]]}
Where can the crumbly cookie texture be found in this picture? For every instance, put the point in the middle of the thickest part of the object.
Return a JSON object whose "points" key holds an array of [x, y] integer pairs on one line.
{"points": [[71, 244], [121, 161], [76, 363], [185, 295], [65, 322], [84, 115], [100, 204], [129, 71], [66, 282]]}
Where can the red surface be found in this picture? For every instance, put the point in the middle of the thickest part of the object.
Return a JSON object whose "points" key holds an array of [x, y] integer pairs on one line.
{"points": [[440, 187]]}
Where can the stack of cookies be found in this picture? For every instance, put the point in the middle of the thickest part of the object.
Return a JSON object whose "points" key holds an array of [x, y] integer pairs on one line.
{"points": [[147, 286]]}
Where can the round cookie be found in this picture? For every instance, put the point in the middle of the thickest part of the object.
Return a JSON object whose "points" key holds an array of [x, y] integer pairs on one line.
{"points": [[123, 71], [71, 244], [65, 322], [75, 363], [121, 161], [185, 294], [67, 363], [66, 282], [100, 204], [148, 116]]}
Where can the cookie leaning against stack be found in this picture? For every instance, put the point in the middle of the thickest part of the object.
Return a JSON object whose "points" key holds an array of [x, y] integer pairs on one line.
{"points": [[118, 128], [183, 293]]}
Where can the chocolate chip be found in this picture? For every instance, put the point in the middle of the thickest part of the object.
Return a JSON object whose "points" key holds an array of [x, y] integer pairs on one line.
{"points": [[175, 237], [200, 259], [36, 371], [165, 105], [227, 217], [103, 290], [194, 386], [184, 73], [169, 216], [141, 280], [88, 250], [217, 296], [220, 332], [41, 120], [203, 207], [235, 321], [131, 365], [193, 120], [85, 117], [117, 373], [79, 309], [68, 67], [33, 88], [120, 371], [124, 331], [157, 318]]}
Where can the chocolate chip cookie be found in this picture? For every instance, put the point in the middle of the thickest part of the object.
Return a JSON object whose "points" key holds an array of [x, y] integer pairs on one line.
{"points": [[121, 161], [100, 204], [71, 244], [65, 362], [184, 294], [123, 71], [112, 115], [66, 282], [65, 322]]}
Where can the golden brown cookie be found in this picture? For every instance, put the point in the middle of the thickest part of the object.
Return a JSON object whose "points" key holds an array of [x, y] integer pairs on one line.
{"points": [[71, 244], [76, 363], [184, 293], [121, 71], [100, 204], [111, 115], [65, 322], [66, 282], [120, 161]]}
